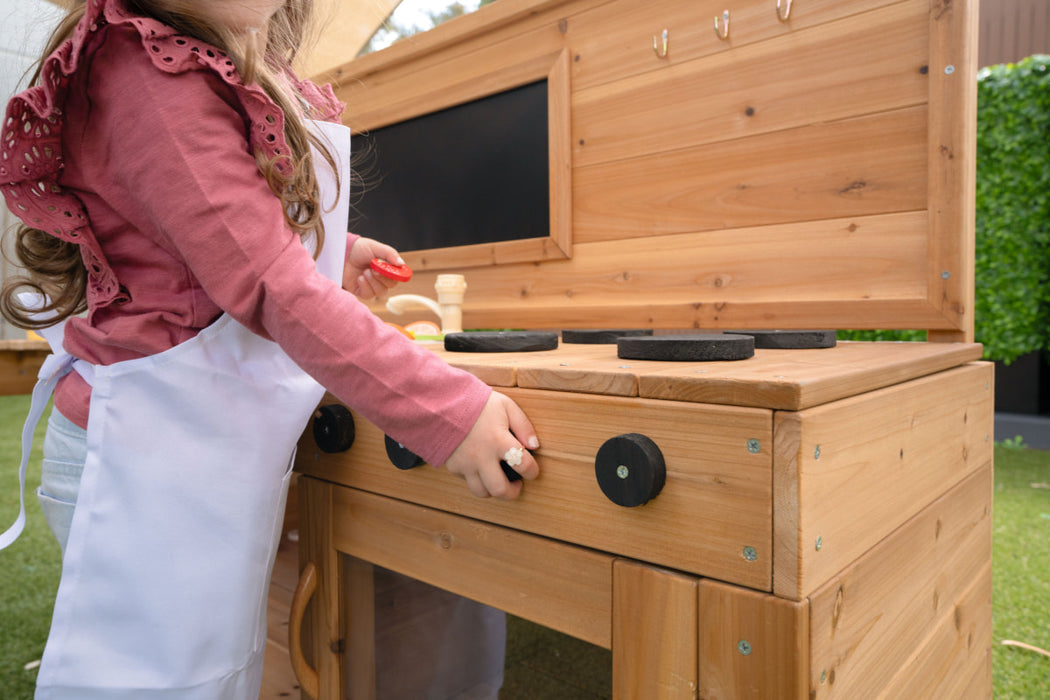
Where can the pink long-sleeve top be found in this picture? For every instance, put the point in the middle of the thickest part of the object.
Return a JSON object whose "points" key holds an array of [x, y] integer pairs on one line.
{"points": [[177, 226]]}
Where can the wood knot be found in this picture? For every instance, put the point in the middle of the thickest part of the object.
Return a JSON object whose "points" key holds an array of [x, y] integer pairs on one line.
{"points": [[836, 612], [445, 539]]}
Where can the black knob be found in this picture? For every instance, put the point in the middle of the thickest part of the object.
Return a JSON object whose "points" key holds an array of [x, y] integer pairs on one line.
{"points": [[334, 428], [404, 458], [400, 456], [509, 472], [630, 469]]}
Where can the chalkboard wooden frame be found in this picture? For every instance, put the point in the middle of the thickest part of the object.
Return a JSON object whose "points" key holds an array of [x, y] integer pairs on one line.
{"points": [[555, 70]]}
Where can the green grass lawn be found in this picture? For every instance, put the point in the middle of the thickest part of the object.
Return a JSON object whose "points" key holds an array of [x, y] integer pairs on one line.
{"points": [[29, 569], [1021, 572]]}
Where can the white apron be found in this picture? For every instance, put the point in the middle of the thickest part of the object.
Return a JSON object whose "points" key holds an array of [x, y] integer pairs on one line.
{"points": [[166, 572]]}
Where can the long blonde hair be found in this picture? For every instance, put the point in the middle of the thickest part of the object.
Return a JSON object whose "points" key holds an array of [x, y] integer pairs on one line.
{"points": [[55, 267]]}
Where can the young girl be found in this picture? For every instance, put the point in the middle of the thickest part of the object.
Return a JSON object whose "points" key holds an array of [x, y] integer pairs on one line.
{"points": [[179, 184]]}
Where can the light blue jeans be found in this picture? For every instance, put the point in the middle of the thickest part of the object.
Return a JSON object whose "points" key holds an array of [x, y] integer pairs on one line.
{"points": [[65, 450]]}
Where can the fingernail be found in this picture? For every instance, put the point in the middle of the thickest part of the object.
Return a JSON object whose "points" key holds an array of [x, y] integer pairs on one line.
{"points": [[534, 443], [399, 261]]}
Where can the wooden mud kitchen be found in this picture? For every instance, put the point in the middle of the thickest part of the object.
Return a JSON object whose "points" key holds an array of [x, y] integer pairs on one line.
{"points": [[798, 523]]}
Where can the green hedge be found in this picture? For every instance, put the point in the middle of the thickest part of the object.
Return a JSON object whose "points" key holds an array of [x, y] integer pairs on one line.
{"points": [[1012, 311]]}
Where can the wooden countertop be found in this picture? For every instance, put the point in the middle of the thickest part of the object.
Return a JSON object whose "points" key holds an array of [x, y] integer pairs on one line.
{"points": [[776, 379]]}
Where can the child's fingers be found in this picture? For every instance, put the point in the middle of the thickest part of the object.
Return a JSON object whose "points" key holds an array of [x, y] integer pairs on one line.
{"points": [[522, 428], [497, 485], [476, 485], [371, 285]]}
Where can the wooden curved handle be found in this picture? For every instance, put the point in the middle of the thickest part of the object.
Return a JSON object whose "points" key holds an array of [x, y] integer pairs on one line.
{"points": [[308, 679]]}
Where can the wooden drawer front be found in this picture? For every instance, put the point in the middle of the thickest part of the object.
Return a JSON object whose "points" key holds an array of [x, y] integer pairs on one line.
{"points": [[712, 518], [566, 588]]}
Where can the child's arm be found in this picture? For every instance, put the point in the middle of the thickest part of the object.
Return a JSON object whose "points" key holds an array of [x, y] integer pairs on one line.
{"points": [[501, 426]]}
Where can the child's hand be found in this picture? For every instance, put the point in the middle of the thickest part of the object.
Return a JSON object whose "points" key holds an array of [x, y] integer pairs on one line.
{"points": [[502, 426], [359, 278]]}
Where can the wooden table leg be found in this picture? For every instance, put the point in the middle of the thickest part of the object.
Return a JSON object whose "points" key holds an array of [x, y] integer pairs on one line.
{"points": [[359, 621], [752, 644], [654, 633]]}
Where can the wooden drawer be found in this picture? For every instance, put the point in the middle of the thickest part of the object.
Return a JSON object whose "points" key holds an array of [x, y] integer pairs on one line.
{"points": [[713, 516]]}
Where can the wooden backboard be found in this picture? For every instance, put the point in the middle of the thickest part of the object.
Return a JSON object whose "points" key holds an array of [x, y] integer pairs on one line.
{"points": [[809, 171]]}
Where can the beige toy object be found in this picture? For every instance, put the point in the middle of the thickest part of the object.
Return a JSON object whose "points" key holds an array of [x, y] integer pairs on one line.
{"points": [[448, 307]]}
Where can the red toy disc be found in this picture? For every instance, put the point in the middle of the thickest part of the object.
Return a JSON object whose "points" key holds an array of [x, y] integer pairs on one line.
{"points": [[400, 273]]}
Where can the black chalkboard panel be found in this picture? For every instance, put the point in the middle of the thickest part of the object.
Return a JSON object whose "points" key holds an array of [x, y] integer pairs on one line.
{"points": [[473, 173]]}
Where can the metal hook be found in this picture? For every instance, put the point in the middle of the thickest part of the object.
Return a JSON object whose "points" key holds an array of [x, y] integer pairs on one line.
{"points": [[783, 16], [722, 32], [661, 50]]}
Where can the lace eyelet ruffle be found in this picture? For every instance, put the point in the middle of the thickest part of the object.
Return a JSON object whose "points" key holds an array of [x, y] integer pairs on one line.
{"points": [[31, 143]]}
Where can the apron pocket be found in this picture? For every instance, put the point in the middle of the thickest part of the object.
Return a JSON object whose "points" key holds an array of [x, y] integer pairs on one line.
{"points": [[58, 514]]}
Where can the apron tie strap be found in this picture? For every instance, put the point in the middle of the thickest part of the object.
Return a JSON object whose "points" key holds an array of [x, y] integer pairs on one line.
{"points": [[53, 369], [55, 366]]}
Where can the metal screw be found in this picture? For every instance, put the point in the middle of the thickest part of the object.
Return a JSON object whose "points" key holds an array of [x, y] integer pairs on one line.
{"points": [[622, 472], [823, 675], [625, 367], [816, 452], [744, 647], [565, 364], [750, 554], [754, 446], [946, 275], [820, 543], [948, 70]]}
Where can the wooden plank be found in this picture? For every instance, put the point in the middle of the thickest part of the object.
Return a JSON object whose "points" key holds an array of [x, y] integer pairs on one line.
{"points": [[566, 588], [752, 645], [795, 79], [359, 620], [282, 586], [278, 680], [795, 380], [20, 361], [505, 369], [322, 629], [852, 471], [654, 633], [854, 167], [912, 617], [25, 345], [712, 478], [952, 169], [614, 40], [585, 369], [522, 57], [839, 273], [956, 660], [460, 36]]}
